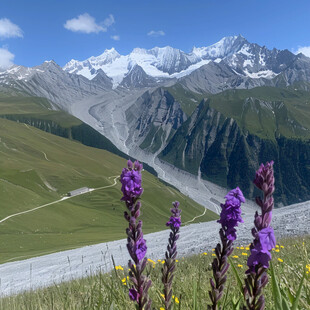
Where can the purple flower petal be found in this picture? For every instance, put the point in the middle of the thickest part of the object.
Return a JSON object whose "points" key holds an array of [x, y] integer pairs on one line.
{"points": [[140, 248], [267, 239], [133, 294]]}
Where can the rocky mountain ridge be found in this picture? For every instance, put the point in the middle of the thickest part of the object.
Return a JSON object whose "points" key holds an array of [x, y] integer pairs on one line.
{"points": [[245, 60]]}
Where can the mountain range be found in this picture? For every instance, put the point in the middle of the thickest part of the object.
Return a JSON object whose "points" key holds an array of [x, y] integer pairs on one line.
{"points": [[216, 112]]}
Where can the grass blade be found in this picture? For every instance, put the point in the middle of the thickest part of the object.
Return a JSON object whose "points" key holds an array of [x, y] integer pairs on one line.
{"points": [[277, 297], [285, 305], [296, 301], [195, 296]]}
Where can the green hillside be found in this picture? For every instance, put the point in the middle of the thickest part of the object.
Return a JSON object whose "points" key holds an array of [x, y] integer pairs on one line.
{"points": [[267, 112], [38, 112], [37, 168], [187, 99]]}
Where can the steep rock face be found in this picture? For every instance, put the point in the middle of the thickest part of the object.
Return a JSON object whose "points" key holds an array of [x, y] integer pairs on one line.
{"points": [[213, 145], [298, 70], [137, 78], [216, 77], [153, 119]]}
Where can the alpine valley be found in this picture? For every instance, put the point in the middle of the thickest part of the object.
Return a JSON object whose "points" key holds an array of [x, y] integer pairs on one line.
{"points": [[212, 114]]}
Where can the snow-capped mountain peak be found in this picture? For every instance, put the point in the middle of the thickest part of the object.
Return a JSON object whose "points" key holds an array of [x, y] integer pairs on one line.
{"points": [[108, 56], [246, 59], [226, 46]]}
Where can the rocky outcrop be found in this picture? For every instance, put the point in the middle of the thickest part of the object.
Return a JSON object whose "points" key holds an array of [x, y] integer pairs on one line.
{"points": [[137, 78], [153, 120]]}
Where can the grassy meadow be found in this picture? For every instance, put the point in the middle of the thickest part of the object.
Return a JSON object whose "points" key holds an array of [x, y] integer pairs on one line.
{"points": [[37, 168], [191, 283]]}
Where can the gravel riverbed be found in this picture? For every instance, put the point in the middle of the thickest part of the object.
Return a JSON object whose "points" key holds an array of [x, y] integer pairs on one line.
{"points": [[195, 238]]}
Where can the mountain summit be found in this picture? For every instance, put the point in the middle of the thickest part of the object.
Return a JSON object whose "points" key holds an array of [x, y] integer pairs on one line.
{"points": [[248, 60]]}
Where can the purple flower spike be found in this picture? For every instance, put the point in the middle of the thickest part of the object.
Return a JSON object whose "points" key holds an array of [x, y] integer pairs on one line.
{"points": [[231, 212], [264, 240], [136, 245], [168, 269], [230, 217]]}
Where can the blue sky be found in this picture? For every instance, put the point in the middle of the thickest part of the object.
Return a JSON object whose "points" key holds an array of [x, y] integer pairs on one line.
{"points": [[32, 31]]}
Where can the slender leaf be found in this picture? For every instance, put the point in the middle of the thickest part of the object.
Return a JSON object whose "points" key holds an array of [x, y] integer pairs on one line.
{"points": [[236, 303], [194, 296], [296, 301], [290, 296], [285, 305], [277, 297]]}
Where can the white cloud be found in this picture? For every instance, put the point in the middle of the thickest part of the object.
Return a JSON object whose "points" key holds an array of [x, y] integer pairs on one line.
{"points": [[154, 33], [87, 24], [303, 49], [9, 30], [109, 21], [116, 38], [6, 58]]}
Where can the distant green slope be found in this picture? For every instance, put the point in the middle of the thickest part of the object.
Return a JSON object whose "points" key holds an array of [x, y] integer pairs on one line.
{"points": [[187, 99], [230, 134], [267, 112], [37, 167], [37, 112]]}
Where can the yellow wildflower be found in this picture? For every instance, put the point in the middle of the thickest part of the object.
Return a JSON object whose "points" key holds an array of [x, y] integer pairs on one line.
{"points": [[247, 248], [213, 254], [241, 248], [205, 253], [235, 256], [240, 266], [277, 250], [244, 254], [280, 260], [177, 300]]}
